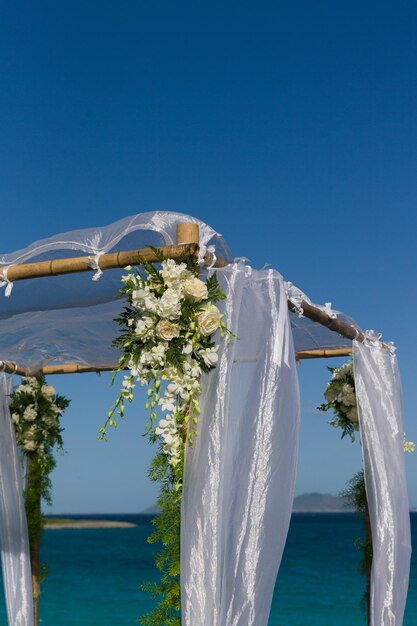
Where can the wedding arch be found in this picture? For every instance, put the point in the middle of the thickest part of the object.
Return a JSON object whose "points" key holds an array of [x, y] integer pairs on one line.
{"points": [[239, 473]]}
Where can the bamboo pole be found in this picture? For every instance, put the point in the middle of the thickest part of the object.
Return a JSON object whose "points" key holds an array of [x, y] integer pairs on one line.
{"points": [[112, 260], [187, 243], [56, 267], [77, 368]]}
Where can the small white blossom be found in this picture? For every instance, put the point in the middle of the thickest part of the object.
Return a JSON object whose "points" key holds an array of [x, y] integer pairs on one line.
{"points": [[169, 306], [209, 356], [144, 300], [30, 413], [48, 391], [174, 273]]}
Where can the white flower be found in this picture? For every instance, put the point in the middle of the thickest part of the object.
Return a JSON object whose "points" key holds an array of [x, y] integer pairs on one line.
{"points": [[343, 372], [188, 348], [209, 356], [173, 273], [174, 388], [51, 421], [348, 395], [168, 306], [48, 391], [209, 320], [195, 289], [30, 413], [128, 382], [15, 418], [144, 300], [158, 354], [409, 446], [331, 393], [167, 330], [29, 445], [167, 403], [352, 415], [143, 324], [192, 369]]}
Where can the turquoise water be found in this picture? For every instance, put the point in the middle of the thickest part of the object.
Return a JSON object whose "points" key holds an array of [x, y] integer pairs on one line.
{"points": [[94, 575]]}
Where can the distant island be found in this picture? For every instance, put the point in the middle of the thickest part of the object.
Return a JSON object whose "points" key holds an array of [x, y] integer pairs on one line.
{"points": [[305, 503], [58, 523], [320, 503]]}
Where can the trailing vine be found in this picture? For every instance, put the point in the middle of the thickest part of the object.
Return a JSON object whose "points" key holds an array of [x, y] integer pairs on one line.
{"points": [[166, 342]]}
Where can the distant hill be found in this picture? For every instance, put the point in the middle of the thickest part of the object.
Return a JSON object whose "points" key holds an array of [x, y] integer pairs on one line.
{"points": [[319, 502], [307, 502]]}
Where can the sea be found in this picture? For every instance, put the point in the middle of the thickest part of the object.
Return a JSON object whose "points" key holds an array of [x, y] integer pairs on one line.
{"points": [[94, 574]]}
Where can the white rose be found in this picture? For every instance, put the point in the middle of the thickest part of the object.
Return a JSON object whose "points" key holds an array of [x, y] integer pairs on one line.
{"points": [[209, 320], [167, 330], [194, 289], [168, 305], [29, 446], [29, 414], [15, 418], [48, 391]]}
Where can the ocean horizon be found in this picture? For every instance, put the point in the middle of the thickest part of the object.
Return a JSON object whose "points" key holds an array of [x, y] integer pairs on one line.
{"points": [[95, 574]]}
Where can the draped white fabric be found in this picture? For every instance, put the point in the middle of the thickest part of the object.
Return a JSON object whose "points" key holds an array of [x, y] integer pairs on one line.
{"points": [[14, 541], [378, 388], [239, 473]]}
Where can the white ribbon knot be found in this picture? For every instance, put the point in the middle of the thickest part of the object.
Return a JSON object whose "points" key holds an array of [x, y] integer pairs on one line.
{"points": [[93, 262], [201, 258], [5, 282]]}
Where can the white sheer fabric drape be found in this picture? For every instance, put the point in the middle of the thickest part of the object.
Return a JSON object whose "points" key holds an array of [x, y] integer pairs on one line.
{"points": [[14, 541], [378, 388], [240, 471]]}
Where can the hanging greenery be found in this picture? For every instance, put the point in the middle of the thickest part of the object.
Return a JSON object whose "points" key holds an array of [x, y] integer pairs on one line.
{"points": [[166, 342], [36, 409]]}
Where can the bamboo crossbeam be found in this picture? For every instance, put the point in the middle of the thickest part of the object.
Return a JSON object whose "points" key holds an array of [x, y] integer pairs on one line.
{"points": [[187, 244], [76, 368], [326, 353], [317, 315], [112, 260]]}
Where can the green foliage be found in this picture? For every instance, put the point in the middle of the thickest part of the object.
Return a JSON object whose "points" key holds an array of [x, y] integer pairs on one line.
{"points": [[355, 495], [215, 292], [35, 408], [166, 533]]}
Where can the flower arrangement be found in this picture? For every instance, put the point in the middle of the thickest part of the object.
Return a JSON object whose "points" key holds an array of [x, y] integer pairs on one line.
{"points": [[35, 410], [340, 394], [341, 398], [167, 342]]}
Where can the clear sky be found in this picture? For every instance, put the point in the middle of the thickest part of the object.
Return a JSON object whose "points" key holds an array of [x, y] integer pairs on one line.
{"points": [[290, 127]]}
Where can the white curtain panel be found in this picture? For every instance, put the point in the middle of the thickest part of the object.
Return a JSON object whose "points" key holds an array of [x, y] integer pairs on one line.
{"points": [[14, 543], [378, 388], [240, 472]]}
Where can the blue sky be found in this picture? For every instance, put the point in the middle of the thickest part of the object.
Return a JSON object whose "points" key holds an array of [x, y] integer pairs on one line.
{"points": [[288, 127]]}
